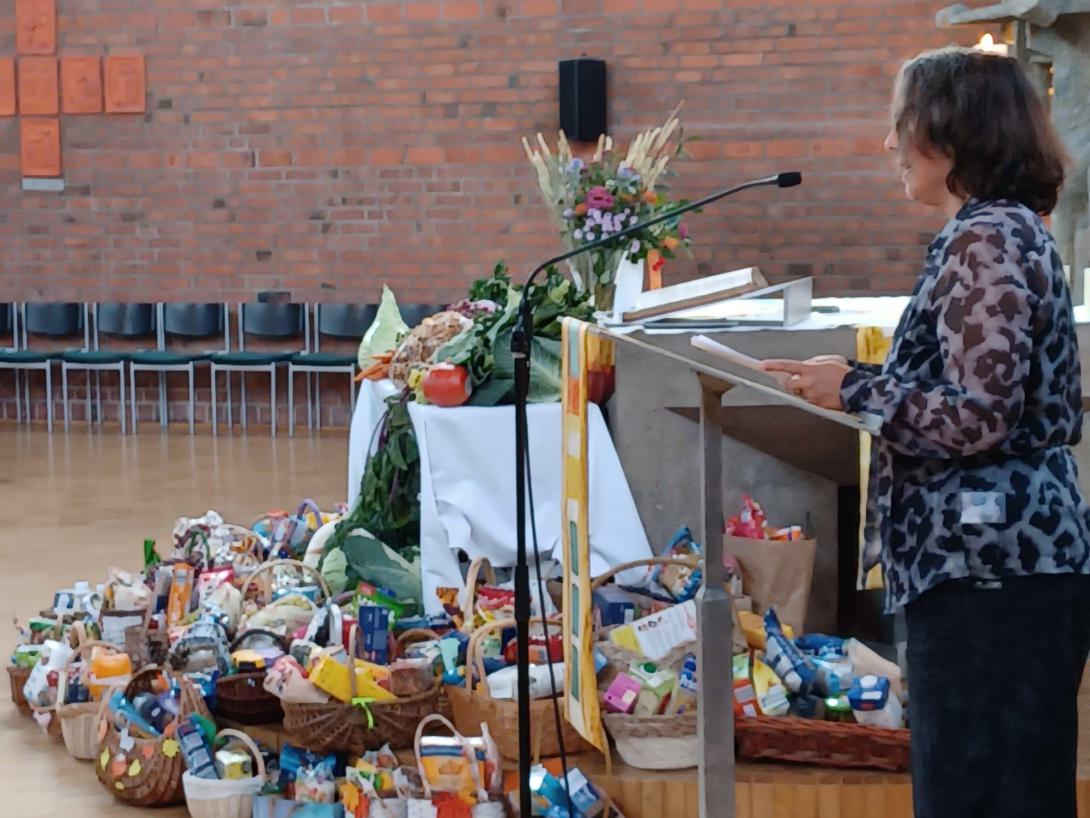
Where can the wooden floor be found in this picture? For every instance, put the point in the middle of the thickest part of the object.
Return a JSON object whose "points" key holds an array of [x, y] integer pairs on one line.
{"points": [[75, 504]]}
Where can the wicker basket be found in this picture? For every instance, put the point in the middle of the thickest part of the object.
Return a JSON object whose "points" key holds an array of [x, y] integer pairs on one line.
{"points": [[242, 697], [472, 706], [225, 798], [469, 600], [339, 727], [445, 708], [149, 773], [655, 742], [17, 677], [78, 721], [822, 743]]}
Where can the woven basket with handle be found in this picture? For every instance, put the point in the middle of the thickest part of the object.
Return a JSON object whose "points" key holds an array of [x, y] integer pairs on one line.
{"points": [[667, 742], [242, 697], [17, 677], [338, 727], [474, 705], [145, 772], [225, 798], [78, 721]]}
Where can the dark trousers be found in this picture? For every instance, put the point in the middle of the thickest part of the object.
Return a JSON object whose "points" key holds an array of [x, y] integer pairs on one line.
{"points": [[993, 678]]}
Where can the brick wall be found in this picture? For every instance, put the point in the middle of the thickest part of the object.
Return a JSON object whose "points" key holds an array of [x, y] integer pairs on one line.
{"points": [[327, 148]]}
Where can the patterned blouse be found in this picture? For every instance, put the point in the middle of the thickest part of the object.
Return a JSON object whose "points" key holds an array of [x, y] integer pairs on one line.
{"points": [[979, 402]]}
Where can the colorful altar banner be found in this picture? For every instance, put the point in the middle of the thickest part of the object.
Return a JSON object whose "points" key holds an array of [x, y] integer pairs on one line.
{"points": [[579, 349], [871, 347]]}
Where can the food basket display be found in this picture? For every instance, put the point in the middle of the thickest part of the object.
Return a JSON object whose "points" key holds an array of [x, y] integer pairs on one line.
{"points": [[241, 697], [474, 705]]}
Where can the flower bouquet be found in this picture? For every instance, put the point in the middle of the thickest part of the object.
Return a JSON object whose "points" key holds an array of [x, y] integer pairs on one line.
{"points": [[596, 199]]}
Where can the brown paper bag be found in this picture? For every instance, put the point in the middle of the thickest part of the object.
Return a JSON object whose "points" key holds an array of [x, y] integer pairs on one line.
{"points": [[776, 573]]}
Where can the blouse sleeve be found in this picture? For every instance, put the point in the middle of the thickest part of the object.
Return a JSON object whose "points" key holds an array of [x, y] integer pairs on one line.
{"points": [[866, 369], [982, 307]]}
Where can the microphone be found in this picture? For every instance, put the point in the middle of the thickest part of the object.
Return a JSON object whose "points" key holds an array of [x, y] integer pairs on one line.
{"points": [[521, 338]]}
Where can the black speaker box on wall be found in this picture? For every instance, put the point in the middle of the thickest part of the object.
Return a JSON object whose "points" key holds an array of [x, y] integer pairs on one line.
{"points": [[583, 99]]}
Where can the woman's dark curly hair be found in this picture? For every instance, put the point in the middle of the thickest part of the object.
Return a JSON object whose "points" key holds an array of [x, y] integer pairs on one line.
{"points": [[980, 110]]}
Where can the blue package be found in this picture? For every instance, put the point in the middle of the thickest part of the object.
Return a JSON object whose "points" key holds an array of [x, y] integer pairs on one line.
{"points": [[375, 626], [612, 606], [818, 644], [293, 758]]}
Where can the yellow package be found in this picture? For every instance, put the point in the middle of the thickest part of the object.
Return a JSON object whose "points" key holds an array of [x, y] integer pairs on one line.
{"points": [[332, 677], [753, 626]]}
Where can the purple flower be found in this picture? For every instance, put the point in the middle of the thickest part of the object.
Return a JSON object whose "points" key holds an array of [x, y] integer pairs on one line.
{"points": [[578, 234], [599, 198], [633, 221], [568, 213], [682, 231], [575, 165], [634, 248], [625, 172]]}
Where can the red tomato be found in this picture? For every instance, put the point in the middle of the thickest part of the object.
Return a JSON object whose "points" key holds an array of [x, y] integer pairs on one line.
{"points": [[447, 385]]}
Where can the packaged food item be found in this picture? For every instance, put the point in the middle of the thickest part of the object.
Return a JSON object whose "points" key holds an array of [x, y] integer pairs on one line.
{"points": [[288, 681], [233, 765], [613, 606], [503, 683], [126, 592], [771, 693], [655, 686], [26, 655], [181, 593], [212, 579], [123, 712], [316, 783], [750, 522], [683, 697], [866, 661], [784, 658], [408, 677], [40, 688], [622, 694], [331, 675], [375, 628], [745, 692], [108, 669], [656, 635], [833, 675], [196, 751], [874, 703], [753, 628]]}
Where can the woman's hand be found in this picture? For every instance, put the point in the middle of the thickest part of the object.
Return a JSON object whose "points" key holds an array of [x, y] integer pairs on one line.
{"points": [[817, 380]]}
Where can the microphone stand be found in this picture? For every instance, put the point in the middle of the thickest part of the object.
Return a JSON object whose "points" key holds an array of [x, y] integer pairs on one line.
{"points": [[521, 340]]}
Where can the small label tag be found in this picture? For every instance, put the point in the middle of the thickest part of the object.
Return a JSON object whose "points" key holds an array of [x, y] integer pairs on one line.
{"points": [[983, 507]]}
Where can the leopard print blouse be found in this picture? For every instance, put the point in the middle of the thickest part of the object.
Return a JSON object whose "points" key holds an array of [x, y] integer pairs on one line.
{"points": [[979, 402]]}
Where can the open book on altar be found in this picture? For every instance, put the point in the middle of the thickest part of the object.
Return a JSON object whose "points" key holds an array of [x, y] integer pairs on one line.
{"points": [[774, 386]]}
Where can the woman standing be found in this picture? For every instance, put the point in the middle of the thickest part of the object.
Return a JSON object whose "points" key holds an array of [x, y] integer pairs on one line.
{"points": [[974, 508]]}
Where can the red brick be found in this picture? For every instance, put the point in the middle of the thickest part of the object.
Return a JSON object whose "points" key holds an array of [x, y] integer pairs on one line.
{"points": [[461, 9], [274, 158], [785, 148], [308, 15], [425, 156], [346, 14], [422, 9], [383, 12]]}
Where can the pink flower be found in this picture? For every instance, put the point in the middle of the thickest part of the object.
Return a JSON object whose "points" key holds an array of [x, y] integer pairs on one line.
{"points": [[600, 198], [682, 231]]}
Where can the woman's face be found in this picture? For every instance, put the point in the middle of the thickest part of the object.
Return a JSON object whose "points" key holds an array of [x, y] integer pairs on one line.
{"points": [[923, 176]]}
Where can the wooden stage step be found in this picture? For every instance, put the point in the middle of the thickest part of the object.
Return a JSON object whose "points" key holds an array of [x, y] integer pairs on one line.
{"points": [[762, 790]]}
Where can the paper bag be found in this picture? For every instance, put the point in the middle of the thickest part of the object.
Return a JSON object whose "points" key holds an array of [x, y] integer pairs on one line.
{"points": [[776, 572]]}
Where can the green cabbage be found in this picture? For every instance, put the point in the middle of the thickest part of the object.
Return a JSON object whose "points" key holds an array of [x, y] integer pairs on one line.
{"points": [[384, 332]]}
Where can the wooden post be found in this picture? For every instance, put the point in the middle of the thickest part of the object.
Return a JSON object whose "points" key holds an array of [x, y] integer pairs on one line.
{"points": [[714, 622]]}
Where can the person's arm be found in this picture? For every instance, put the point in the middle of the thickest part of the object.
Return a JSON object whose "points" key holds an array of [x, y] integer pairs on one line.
{"points": [[983, 310], [866, 369]]}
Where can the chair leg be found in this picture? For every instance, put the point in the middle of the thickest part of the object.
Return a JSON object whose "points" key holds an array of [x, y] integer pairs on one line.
{"points": [[18, 395], [121, 398], [48, 397], [164, 406], [242, 382], [132, 397], [230, 408], [192, 402], [214, 404], [291, 399], [64, 394], [318, 400], [272, 397], [310, 402], [98, 395]]}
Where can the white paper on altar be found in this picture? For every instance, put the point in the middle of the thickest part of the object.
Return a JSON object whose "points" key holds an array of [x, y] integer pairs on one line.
{"points": [[467, 492]]}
